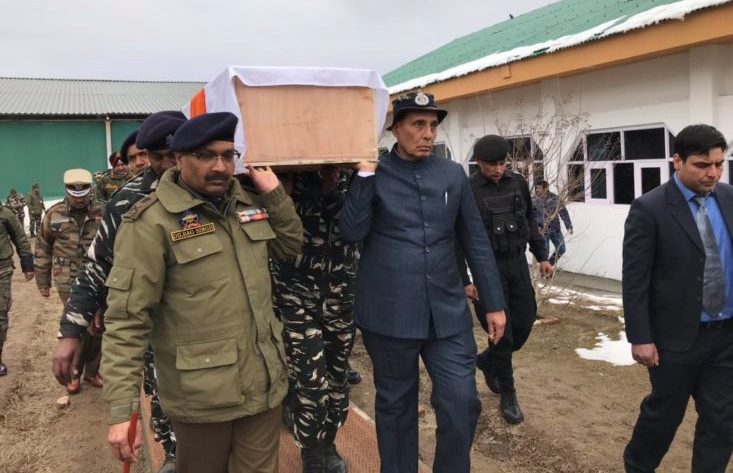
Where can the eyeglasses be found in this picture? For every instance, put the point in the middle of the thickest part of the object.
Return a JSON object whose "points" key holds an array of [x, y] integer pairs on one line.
{"points": [[209, 157]]}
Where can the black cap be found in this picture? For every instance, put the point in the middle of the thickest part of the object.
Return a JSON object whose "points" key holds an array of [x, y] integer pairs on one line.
{"points": [[415, 102], [491, 148], [203, 129], [129, 141], [156, 131]]}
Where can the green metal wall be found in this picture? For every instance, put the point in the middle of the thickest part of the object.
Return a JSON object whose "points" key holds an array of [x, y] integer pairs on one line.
{"points": [[40, 151], [121, 129]]}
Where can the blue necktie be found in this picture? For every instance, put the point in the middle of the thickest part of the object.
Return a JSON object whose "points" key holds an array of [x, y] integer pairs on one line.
{"points": [[713, 289]]}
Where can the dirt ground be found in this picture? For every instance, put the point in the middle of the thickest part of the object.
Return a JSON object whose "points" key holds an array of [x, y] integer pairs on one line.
{"points": [[35, 437], [579, 413]]}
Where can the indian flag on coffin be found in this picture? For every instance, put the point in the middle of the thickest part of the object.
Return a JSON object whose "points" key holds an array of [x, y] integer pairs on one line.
{"points": [[299, 115]]}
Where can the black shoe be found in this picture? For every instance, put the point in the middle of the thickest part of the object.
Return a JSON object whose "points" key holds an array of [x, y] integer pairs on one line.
{"points": [[354, 377], [510, 408], [313, 459], [3, 369], [490, 376], [333, 461]]}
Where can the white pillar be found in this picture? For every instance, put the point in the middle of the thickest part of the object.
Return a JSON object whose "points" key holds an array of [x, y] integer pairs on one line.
{"points": [[108, 136], [705, 84]]}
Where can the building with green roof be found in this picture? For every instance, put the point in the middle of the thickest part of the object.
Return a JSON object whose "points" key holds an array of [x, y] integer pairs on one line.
{"points": [[50, 125], [591, 94]]}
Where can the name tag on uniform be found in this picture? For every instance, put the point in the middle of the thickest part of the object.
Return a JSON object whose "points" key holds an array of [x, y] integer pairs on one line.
{"points": [[60, 220], [253, 215], [192, 232]]}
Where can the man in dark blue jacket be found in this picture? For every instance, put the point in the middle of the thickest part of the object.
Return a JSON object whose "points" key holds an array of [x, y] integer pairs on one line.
{"points": [[410, 213]]}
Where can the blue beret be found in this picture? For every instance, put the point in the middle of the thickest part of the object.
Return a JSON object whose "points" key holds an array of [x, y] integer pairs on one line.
{"points": [[129, 141], [491, 148], [415, 102], [201, 130], [156, 131]]}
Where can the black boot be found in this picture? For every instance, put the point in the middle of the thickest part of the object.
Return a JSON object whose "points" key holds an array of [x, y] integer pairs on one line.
{"points": [[354, 377], [510, 408], [3, 368], [492, 379], [334, 462], [313, 459]]}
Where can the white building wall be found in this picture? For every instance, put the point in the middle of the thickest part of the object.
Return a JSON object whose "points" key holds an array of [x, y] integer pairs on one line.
{"points": [[677, 90]]}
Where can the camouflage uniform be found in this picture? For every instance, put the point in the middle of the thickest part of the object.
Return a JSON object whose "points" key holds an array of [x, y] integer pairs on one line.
{"points": [[36, 207], [313, 296], [16, 203], [65, 236], [10, 231], [108, 183], [88, 294]]}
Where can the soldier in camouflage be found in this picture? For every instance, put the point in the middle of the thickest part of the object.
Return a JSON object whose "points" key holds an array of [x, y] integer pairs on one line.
{"points": [[36, 207], [113, 179], [11, 233], [88, 293], [313, 296], [66, 233], [16, 203]]}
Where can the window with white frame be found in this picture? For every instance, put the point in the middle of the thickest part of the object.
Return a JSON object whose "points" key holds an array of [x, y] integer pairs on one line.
{"points": [[614, 166]]}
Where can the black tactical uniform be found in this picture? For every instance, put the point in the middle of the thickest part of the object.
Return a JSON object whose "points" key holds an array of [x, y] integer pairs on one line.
{"points": [[506, 210], [314, 296]]}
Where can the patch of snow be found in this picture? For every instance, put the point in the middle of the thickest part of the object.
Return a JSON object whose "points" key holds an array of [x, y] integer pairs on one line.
{"points": [[616, 352], [673, 11], [609, 308]]}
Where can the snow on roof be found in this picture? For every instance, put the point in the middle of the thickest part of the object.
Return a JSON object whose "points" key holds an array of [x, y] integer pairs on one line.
{"points": [[622, 24]]}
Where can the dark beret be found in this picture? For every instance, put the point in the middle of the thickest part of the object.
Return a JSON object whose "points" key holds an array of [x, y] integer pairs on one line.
{"points": [[114, 157], [203, 129], [415, 102], [156, 131], [491, 148], [129, 141]]}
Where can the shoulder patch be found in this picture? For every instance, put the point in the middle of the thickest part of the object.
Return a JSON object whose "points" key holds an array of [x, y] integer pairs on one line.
{"points": [[139, 207]]}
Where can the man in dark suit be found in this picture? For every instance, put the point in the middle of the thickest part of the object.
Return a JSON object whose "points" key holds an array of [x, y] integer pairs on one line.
{"points": [[678, 305], [410, 212]]}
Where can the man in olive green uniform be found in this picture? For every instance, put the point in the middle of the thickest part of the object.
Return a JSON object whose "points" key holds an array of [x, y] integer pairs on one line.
{"points": [[36, 207], [191, 275], [11, 230], [66, 233], [113, 179]]}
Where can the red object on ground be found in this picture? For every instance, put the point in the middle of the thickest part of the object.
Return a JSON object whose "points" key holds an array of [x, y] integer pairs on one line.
{"points": [[131, 438]]}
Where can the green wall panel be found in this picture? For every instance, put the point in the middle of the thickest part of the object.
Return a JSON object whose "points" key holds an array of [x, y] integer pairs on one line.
{"points": [[40, 151], [121, 129]]}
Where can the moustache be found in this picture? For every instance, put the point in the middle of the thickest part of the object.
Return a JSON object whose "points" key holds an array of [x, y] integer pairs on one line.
{"points": [[217, 177]]}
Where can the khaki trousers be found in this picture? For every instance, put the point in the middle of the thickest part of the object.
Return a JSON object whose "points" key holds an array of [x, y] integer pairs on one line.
{"points": [[246, 445]]}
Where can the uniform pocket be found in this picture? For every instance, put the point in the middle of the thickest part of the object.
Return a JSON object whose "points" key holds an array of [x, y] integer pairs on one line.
{"points": [[187, 251], [258, 231], [118, 285], [209, 373]]}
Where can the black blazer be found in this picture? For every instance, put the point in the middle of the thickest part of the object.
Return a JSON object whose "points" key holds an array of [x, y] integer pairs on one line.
{"points": [[663, 264]]}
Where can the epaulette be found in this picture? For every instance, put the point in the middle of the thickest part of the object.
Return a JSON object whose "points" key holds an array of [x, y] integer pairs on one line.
{"points": [[59, 203], [139, 207]]}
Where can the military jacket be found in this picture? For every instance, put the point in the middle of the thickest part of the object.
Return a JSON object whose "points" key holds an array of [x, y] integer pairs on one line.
{"points": [[510, 188], [108, 183], [88, 292], [194, 282], [15, 202], [62, 242], [35, 203], [324, 251], [12, 233]]}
